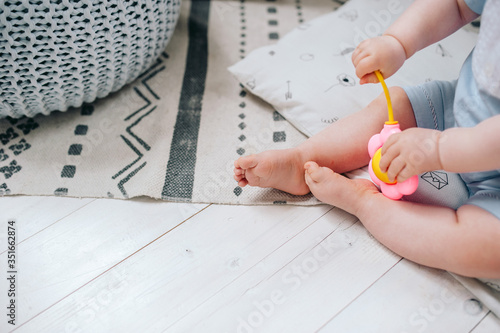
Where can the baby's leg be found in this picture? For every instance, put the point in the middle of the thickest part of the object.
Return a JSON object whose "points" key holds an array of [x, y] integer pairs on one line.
{"points": [[342, 147], [463, 241]]}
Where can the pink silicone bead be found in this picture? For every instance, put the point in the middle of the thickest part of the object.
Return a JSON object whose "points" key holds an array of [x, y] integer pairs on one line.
{"points": [[391, 191], [387, 131], [408, 186], [374, 144]]}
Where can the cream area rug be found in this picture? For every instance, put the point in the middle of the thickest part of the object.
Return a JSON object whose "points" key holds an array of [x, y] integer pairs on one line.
{"points": [[174, 133]]}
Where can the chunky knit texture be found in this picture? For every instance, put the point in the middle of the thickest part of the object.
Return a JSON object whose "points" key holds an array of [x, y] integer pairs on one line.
{"points": [[60, 54]]}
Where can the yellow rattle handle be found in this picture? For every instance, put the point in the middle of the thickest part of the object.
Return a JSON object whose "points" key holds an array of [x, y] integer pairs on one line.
{"points": [[376, 168], [391, 120]]}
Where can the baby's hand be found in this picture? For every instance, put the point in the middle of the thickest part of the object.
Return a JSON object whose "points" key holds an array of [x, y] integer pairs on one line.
{"points": [[384, 53], [411, 152]]}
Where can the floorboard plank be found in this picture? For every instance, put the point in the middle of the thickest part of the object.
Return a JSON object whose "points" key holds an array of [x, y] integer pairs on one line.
{"points": [[489, 324], [34, 213], [298, 287], [169, 278], [418, 299], [65, 256]]}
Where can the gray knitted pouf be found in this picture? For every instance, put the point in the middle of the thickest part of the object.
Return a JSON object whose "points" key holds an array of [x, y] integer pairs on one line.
{"points": [[60, 54]]}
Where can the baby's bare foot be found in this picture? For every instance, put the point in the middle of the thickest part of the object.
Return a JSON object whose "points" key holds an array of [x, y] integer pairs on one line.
{"points": [[335, 189], [279, 169]]}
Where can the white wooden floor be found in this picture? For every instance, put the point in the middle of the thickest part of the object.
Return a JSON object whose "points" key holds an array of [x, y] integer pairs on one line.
{"points": [[104, 265]]}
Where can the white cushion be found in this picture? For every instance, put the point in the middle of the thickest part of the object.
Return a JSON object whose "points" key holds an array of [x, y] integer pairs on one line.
{"points": [[308, 75]]}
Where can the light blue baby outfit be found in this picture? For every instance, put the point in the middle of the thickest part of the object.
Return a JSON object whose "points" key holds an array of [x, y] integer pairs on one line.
{"points": [[474, 97]]}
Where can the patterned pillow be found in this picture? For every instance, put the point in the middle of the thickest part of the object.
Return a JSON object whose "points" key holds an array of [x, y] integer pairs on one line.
{"points": [[308, 75]]}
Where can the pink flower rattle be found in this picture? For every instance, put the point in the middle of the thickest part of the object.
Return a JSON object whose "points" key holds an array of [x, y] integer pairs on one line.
{"points": [[392, 190]]}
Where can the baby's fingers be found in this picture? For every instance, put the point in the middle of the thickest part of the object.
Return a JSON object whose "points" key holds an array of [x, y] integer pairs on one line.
{"points": [[390, 142], [369, 78], [395, 169], [358, 54], [405, 174], [388, 155], [366, 66]]}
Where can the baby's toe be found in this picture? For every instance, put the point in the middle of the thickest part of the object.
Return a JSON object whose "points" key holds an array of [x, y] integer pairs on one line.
{"points": [[317, 173], [238, 171], [246, 162]]}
